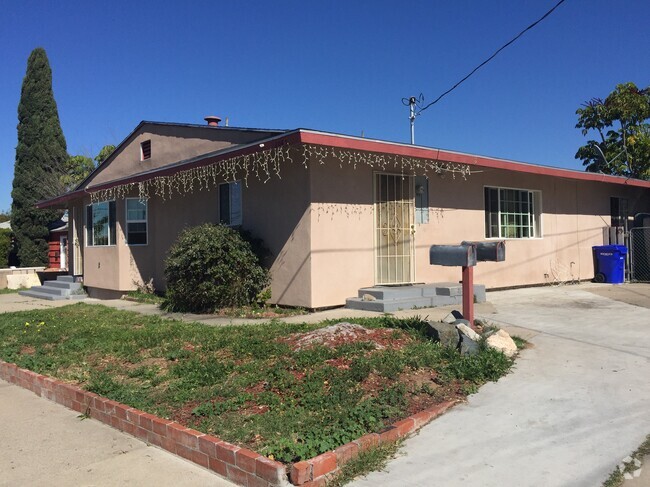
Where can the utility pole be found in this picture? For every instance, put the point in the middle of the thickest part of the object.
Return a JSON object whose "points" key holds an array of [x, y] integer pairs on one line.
{"points": [[412, 101]]}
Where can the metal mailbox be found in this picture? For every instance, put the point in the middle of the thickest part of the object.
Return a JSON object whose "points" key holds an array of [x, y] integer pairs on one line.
{"points": [[489, 251], [453, 255]]}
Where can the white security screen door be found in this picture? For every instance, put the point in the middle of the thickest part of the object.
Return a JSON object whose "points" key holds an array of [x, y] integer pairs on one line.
{"points": [[394, 220]]}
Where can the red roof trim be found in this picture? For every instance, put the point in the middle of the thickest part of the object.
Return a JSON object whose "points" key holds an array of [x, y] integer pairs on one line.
{"points": [[369, 145]]}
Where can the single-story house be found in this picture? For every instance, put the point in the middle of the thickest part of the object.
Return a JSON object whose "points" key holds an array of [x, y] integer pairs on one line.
{"points": [[337, 212]]}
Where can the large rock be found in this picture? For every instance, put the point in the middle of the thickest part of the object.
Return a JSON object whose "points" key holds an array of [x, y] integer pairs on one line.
{"points": [[469, 339], [444, 333], [502, 341], [468, 346]]}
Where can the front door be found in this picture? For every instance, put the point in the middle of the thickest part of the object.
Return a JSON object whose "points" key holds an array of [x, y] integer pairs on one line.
{"points": [[394, 224], [77, 241]]}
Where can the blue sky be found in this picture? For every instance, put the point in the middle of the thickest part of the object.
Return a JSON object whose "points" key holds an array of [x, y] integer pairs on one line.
{"points": [[340, 66]]}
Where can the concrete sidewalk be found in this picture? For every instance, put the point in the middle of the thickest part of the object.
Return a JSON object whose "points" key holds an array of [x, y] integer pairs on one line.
{"points": [[45, 444], [577, 402]]}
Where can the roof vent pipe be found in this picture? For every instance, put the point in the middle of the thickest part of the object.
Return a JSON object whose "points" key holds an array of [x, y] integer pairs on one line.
{"points": [[212, 120]]}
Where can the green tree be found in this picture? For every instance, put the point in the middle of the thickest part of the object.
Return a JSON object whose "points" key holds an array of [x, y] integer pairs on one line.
{"points": [[77, 168], [106, 151], [623, 145], [41, 155]]}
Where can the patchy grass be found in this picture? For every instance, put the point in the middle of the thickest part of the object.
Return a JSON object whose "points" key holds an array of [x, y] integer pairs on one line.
{"points": [[252, 312], [12, 291], [257, 385], [371, 460], [143, 297], [616, 478], [267, 311]]}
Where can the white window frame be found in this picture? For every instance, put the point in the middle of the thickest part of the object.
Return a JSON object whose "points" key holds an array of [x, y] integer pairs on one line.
{"points": [[535, 214], [127, 220], [238, 216], [90, 242]]}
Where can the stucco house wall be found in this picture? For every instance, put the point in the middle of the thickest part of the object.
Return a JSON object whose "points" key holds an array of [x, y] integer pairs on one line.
{"points": [[573, 215]]}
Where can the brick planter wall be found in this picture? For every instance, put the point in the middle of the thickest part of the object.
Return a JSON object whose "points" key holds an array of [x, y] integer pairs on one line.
{"points": [[239, 465]]}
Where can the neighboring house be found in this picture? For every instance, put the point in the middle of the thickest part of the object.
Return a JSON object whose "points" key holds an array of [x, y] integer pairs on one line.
{"points": [[338, 213], [58, 244]]}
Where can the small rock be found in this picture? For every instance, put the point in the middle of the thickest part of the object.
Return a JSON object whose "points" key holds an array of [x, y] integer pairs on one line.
{"points": [[502, 341], [636, 473], [368, 297], [444, 333], [627, 459], [465, 330], [628, 476], [637, 462], [453, 316]]}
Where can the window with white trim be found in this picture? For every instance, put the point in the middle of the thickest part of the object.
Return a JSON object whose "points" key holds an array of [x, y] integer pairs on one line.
{"points": [[100, 224], [512, 213], [136, 221], [230, 210]]}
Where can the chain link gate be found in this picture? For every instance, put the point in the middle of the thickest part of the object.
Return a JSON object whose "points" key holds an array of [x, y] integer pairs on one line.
{"points": [[639, 245]]}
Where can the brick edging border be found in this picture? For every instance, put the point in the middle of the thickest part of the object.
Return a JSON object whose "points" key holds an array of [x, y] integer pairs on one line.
{"points": [[239, 465]]}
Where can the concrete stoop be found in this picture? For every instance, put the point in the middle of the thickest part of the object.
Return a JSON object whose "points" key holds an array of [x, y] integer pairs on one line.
{"points": [[63, 288], [394, 298]]}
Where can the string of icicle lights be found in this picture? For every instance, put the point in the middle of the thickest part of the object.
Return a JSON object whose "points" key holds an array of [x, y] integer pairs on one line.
{"points": [[266, 164]]}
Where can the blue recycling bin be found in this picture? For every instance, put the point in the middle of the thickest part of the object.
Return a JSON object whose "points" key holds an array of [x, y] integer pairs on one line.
{"points": [[609, 263]]}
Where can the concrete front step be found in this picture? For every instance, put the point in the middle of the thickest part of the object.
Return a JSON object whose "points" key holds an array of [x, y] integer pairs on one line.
{"points": [[389, 305], [71, 286], [31, 293], [63, 288], [51, 290], [393, 298]]}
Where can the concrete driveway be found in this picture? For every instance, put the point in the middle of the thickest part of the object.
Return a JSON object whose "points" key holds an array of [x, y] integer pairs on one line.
{"points": [[577, 402]]}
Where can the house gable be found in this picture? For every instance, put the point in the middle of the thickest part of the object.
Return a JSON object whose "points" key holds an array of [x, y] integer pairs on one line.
{"points": [[167, 144]]}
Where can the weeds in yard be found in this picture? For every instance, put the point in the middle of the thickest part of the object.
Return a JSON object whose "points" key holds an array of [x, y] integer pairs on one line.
{"points": [[249, 385], [616, 478], [371, 460]]}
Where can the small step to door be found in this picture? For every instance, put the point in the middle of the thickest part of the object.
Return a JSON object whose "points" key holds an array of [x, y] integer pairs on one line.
{"points": [[387, 299]]}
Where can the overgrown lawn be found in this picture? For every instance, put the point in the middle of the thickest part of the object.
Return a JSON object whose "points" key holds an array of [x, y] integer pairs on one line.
{"points": [[250, 385]]}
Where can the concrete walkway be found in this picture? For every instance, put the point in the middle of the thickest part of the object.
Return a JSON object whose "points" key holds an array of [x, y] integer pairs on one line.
{"points": [[45, 444], [577, 402]]}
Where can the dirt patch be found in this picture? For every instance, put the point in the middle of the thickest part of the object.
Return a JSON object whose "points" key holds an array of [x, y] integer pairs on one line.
{"points": [[27, 350], [333, 336]]}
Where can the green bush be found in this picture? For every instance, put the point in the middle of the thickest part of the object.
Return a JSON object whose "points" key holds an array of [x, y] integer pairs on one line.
{"points": [[5, 247], [211, 267]]}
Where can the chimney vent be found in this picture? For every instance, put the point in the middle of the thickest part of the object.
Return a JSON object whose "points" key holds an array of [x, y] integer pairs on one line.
{"points": [[212, 120]]}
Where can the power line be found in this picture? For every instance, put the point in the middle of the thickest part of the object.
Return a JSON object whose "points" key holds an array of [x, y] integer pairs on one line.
{"points": [[491, 57]]}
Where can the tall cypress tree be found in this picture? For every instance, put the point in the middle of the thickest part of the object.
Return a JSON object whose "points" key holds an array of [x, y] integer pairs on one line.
{"points": [[40, 157]]}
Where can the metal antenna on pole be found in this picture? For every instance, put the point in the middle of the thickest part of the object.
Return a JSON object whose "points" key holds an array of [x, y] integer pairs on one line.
{"points": [[412, 103]]}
